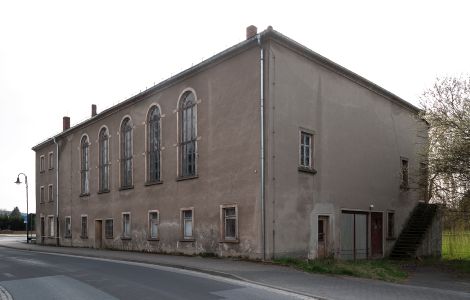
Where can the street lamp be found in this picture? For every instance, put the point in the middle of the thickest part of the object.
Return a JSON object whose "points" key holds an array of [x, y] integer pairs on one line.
{"points": [[27, 212]]}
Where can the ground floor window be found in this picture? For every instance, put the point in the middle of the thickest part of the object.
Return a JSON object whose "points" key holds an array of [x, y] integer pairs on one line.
{"points": [[108, 229], [187, 222], [153, 224], [230, 223], [84, 227], [68, 227], [50, 226], [126, 225]]}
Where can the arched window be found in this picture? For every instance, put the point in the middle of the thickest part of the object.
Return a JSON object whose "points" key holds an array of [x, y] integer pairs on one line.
{"points": [[188, 134], [84, 165], [104, 160], [154, 145], [126, 153]]}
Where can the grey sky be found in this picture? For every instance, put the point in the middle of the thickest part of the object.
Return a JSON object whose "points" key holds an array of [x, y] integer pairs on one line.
{"points": [[59, 57]]}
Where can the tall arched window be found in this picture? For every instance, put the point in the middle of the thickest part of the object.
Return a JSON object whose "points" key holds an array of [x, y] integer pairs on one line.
{"points": [[188, 134], [104, 160], [84, 165], [126, 153], [154, 145]]}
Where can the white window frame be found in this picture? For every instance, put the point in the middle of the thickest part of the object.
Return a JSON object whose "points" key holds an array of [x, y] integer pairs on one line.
{"points": [[183, 224], [310, 133], [223, 219], [124, 234], [150, 236], [68, 231]]}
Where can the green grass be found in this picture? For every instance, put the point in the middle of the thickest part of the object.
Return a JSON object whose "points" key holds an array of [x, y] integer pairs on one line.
{"points": [[456, 245], [374, 269]]}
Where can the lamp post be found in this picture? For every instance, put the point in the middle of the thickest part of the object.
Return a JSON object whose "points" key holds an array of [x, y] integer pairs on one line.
{"points": [[27, 211]]}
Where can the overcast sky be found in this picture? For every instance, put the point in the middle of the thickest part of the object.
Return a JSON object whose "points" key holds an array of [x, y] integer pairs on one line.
{"points": [[59, 57]]}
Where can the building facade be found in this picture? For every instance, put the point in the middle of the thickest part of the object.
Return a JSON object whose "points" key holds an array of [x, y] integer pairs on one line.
{"points": [[266, 149]]}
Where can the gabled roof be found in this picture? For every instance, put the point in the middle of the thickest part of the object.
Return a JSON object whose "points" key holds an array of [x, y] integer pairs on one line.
{"points": [[234, 50]]}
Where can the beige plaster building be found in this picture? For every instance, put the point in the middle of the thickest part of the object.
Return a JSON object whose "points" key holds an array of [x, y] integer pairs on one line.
{"points": [[266, 149]]}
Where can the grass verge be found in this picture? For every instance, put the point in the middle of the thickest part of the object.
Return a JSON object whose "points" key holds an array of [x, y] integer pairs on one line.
{"points": [[383, 269]]}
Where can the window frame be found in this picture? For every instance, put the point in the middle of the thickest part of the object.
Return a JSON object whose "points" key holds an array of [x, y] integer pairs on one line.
{"points": [[50, 226], [42, 164], [183, 141], [103, 166], [84, 165], [184, 237], [51, 160], [151, 124], [126, 235], [106, 232], [157, 236], [126, 154], [68, 231], [50, 192], [42, 194], [84, 233], [223, 224], [302, 166]]}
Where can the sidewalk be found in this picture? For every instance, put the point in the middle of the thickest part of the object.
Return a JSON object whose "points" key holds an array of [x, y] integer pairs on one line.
{"points": [[316, 285]]}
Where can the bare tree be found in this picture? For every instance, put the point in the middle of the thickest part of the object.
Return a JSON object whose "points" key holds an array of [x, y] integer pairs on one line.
{"points": [[446, 107]]}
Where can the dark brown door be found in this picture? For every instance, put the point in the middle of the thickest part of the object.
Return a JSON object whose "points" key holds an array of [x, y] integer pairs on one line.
{"points": [[376, 234]]}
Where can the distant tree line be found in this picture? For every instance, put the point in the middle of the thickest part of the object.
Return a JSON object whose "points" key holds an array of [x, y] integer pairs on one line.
{"points": [[12, 220]]}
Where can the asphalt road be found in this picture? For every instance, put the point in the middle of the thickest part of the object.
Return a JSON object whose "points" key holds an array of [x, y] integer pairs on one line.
{"points": [[35, 275]]}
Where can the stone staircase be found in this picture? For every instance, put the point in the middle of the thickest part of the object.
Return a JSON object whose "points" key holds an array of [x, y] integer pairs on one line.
{"points": [[414, 231]]}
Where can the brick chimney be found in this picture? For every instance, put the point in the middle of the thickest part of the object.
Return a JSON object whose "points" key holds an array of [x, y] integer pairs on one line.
{"points": [[251, 31], [93, 110], [66, 123]]}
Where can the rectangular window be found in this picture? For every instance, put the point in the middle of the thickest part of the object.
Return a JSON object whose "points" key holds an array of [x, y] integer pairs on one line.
{"points": [[126, 225], [68, 227], [306, 149], [404, 173], [230, 224], [50, 226], [187, 222], [41, 163], [391, 224], [108, 229], [51, 160], [41, 194], [84, 230], [153, 224], [50, 193]]}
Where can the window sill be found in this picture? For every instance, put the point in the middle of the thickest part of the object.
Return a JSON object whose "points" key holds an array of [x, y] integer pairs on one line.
{"points": [[187, 240], [150, 183], [123, 188], [126, 238], [236, 241], [103, 192], [153, 239], [307, 170], [85, 195], [186, 178]]}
